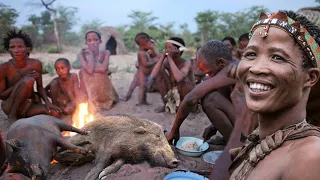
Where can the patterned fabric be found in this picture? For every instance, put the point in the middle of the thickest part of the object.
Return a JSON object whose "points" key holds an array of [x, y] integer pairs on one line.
{"points": [[294, 29]]}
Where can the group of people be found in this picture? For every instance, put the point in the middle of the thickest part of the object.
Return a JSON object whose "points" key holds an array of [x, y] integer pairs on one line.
{"points": [[262, 96], [21, 72]]}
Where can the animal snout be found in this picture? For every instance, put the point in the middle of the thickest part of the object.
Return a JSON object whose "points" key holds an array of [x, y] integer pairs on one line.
{"points": [[174, 163]]}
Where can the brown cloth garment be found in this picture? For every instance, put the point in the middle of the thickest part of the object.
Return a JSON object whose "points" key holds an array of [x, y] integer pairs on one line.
{"points": [[100, 91], [254, 150]]}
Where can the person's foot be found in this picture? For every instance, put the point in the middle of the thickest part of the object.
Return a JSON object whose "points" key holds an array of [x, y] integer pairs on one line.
{"points": [[159, 109], [143, 103], [126, 98], [218, 140]]}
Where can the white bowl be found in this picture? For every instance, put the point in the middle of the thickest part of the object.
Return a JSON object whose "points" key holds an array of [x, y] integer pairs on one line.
{"points": [[195, 153]]}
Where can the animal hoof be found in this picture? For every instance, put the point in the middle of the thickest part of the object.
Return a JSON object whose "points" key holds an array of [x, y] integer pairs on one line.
{"points": [[102, 175]]}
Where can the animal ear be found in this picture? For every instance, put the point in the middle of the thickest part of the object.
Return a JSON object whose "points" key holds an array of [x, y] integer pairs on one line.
{"points": [[140, 130], [14, 143]]}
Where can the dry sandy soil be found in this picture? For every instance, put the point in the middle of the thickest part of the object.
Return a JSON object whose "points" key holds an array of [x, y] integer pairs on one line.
{"points": [[193, 126]]}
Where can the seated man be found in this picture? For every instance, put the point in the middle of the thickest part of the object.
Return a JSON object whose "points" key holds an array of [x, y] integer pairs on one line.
{"points": [[277, 71], [174, 74], [17, 78]]}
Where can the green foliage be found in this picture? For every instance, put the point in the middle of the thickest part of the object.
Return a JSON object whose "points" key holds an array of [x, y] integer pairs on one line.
{"points": [[76, 64], [7, 20], [91, 25], [48, 68], [318, 1], [217, 25], [52, 49], [141, 21]]}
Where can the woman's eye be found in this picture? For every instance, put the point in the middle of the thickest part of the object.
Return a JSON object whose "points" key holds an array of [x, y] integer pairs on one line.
{"points": [[250, 54], [277, 57]]}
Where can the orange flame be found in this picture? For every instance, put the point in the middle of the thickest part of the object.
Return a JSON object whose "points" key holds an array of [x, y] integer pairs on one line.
{"points": [[54, 162], [81, 117]]}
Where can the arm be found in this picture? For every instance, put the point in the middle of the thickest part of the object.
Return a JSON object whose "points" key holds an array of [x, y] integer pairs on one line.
{"points": [[179, 74], [4, 93], [157, 67], [204, 88], [47, 90], [105, 64], [88, 65], [38, 67], [143, 61]]}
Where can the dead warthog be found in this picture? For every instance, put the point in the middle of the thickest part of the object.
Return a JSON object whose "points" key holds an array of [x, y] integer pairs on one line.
{"points": [[116, 140]]}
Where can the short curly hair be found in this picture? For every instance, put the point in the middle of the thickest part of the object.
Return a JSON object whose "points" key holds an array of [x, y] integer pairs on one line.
{"points": [[12, 34]]}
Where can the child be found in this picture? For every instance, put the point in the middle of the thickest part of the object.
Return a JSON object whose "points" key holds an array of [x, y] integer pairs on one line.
{"points": [[94, 80], [145, 64], [64, 89], [135, 81]]}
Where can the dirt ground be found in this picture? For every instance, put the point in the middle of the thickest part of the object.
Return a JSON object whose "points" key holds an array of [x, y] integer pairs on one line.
{"points": [[193, 126]]}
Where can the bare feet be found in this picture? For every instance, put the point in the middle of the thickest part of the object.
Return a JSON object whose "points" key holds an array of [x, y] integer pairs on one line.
{"points": [[126, 98]]}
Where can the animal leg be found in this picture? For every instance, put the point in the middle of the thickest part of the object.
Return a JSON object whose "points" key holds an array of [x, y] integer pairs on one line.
{"points": [[63, 126], [114, 167], [102, 160], [67, 145]]}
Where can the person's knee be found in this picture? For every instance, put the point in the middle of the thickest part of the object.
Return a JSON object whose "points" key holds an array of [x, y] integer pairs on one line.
{"points": [[211, 101], [29, 81]]}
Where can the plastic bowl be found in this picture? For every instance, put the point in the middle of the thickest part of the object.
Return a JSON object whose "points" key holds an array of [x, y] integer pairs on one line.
{"points": [[183, 175], [195, 153], [211, 157]]}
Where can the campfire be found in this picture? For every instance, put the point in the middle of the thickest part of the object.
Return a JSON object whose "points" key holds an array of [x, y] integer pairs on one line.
{"points": [[81, 117]]}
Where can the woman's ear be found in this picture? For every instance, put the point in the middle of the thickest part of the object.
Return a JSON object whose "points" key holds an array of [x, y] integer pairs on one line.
{"points": [[312, 77]]}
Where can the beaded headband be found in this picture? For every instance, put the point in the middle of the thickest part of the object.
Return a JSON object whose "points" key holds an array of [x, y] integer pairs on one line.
{"points": [[294, 29]]}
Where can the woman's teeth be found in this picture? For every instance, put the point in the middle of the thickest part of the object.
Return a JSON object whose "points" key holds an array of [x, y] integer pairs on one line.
{"points": [[257, 87]]}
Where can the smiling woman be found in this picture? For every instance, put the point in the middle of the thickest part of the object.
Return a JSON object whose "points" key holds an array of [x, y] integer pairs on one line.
{"points": [[277, 71]]}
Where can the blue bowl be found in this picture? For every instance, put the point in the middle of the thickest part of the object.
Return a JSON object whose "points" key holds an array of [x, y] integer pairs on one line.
{"points": [[182, 175], [194, 153]]}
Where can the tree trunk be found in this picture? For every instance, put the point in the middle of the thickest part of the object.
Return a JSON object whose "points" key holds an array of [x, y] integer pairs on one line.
{"points": [[55, 23], [56, 32]]}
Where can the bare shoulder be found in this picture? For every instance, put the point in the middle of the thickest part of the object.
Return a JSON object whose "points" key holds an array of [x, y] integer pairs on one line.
{"points": [[74, 76], [305, 159], [32, 60]]}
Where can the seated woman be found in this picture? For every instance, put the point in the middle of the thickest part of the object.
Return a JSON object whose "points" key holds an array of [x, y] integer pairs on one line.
{"points": [[94, 80], [64, 89]]}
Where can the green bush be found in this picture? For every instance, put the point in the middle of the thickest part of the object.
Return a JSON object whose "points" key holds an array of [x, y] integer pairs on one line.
{"points": [[52, 49], [76, 64], [48, 68]]}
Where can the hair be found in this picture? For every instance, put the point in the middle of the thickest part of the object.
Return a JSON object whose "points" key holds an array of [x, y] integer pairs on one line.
{"points": [[140, 36], [313, 30], [12, 34], [231, 39], [64, 60], [213, 50], [244, 37], [93, 31], [179, 40]]}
